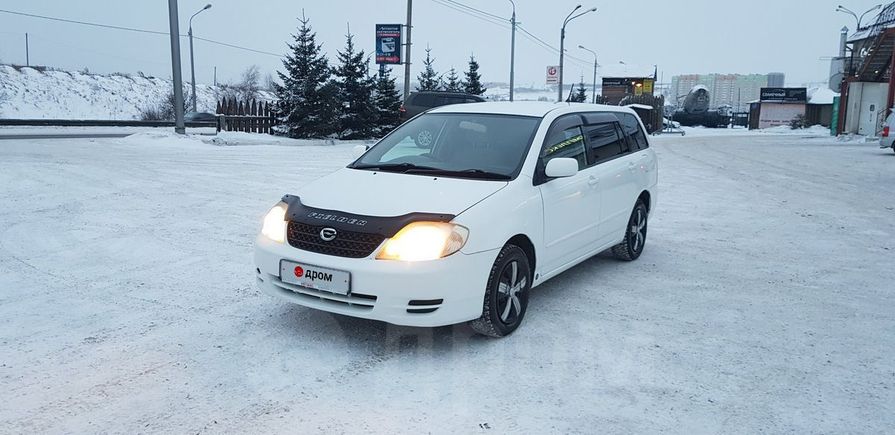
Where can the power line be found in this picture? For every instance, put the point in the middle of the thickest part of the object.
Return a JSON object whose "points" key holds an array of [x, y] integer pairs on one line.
{"points": [[132, 29], [482, 16], [502, 22]]}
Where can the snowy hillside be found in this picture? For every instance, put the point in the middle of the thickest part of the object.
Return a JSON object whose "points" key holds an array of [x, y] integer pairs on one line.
{"points": [[29, 93]]}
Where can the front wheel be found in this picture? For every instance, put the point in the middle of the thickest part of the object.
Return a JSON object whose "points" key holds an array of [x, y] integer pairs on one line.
{"points": [[635, 235], [506, 295]]}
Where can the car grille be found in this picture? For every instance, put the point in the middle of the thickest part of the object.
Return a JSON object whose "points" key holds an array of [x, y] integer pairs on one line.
{"points": [[349, 244]]}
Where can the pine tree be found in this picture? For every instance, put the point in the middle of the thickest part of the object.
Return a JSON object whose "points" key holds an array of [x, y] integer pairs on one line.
{"points": [[306, 101], [357, 117], [387, 102], [453, 82], [429, 79], [581, 94], [473, 82]]}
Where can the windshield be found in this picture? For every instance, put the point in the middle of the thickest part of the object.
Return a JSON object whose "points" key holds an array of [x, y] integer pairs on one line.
{"points": [[455, 144]]}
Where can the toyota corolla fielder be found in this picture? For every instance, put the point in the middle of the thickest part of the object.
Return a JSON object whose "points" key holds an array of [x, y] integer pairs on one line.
{"points": [[458, 213]]}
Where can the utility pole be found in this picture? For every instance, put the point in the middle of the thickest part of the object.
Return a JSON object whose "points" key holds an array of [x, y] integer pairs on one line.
{"points": [[513, 51], [215, 75], [27, 51], [174, 25], [409, 43]]}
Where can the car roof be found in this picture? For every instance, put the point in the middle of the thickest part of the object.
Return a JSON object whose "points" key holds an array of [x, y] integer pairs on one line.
{"points": [[529, 108], [464, 94]]}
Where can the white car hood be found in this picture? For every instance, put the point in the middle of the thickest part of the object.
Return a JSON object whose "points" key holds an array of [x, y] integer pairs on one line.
{"points": [[373, 193]]}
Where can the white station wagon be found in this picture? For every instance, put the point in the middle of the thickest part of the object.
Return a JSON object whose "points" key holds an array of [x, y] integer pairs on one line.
{"points": [[457, 214]]}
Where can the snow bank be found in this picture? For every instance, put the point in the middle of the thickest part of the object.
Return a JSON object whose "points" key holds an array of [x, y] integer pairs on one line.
{"points": [[31, 93], [227, 138]]}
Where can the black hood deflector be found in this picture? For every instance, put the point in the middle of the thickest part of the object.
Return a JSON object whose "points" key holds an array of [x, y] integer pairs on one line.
{"points": [[340, 220]]}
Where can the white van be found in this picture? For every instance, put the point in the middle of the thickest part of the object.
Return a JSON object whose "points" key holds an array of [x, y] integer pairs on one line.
{"points": [[459, 212]]}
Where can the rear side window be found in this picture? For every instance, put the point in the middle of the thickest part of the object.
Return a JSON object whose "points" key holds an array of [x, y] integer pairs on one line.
{"points": [[604, 142], [633, 133], [425, 100]]}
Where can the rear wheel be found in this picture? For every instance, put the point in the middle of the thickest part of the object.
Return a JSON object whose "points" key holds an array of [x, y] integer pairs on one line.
{"points": [[506, 295], [635, 235]]}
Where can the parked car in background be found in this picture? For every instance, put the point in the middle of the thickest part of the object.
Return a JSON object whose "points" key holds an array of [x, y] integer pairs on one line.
{"points": [[459, 212], [887, 136], [200, 117], [419, 102]]}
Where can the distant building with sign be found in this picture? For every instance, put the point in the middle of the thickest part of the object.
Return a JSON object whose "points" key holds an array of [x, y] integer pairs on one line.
{"points": [[620, 81], [780, 106]]}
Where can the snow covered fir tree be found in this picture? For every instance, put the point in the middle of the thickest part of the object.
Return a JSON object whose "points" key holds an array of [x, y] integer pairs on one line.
{"points": [[452, 83], [357, 117], [472, 84], [306, 97], [387, 103], [428, 79], [580, 95]]}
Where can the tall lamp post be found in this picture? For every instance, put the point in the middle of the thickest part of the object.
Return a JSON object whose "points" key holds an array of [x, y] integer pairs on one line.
{"points": [[860, 18], [192, 62], [594, 89], [513, 51], [562, 42]]}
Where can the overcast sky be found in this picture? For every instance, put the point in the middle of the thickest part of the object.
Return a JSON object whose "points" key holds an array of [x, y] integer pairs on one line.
{"points": [[680, 36]]}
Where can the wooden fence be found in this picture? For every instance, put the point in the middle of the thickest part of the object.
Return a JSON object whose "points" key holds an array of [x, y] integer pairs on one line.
{"points": [[249, 116]]}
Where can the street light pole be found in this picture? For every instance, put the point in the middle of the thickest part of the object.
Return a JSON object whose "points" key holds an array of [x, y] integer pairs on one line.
{"points": [[562, 43], [594, 89], [174, 25], [513, 51], [859, 19], [192, 62]]}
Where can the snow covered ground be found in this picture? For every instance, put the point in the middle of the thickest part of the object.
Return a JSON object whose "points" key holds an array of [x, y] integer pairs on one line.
{"points": [[763, 303]]}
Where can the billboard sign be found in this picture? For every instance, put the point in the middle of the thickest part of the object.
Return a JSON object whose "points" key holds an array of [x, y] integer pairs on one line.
{"points": [[552, 75], [784, 95], [388, 44]]}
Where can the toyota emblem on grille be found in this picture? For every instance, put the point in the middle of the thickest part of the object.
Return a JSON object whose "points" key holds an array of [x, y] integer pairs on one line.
{"points": [[328, 234]]}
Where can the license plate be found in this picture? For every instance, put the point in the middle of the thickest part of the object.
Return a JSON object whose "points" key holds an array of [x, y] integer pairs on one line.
{"points": [[315, 277]]}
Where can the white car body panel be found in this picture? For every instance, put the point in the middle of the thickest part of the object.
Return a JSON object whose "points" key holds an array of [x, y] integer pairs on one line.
{"points": [[566, 220]]}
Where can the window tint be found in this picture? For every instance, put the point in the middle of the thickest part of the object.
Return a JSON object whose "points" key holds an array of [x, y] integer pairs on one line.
{"points": [[604, 142], [633, 132], [425, 100], [565, 143]]}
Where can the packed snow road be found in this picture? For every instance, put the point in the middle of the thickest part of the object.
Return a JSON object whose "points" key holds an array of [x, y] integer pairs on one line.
{"points": [[764, 302]]}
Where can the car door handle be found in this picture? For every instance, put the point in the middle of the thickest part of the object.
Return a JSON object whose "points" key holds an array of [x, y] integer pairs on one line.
{"points": [[593, 181], [632, 167]]}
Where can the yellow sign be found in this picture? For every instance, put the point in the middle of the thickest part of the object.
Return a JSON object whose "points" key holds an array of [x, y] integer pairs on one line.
{"points": [[647, 86], [638, 89]]}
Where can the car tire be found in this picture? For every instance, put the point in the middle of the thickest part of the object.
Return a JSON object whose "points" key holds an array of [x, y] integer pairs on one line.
{"points": [[506, 294], [635, 235]]}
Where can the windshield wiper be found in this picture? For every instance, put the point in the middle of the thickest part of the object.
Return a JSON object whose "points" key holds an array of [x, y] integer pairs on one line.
{"points": [[464, 173], [394, 167], [410, 168]]}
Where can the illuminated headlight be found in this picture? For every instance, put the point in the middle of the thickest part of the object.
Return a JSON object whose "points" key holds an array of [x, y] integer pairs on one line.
{"points": [[422, 241], [274, 227]]}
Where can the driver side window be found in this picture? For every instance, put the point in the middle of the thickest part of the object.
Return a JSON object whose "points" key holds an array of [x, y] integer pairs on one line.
{"points": [[565, 139]]}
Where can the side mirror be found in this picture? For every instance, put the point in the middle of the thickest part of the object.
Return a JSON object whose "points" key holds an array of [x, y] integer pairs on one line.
{"points": [[561, 167], [358, 151]]}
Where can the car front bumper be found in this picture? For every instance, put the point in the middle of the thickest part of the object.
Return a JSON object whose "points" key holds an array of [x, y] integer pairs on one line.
{"points": [[428, 293]]}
